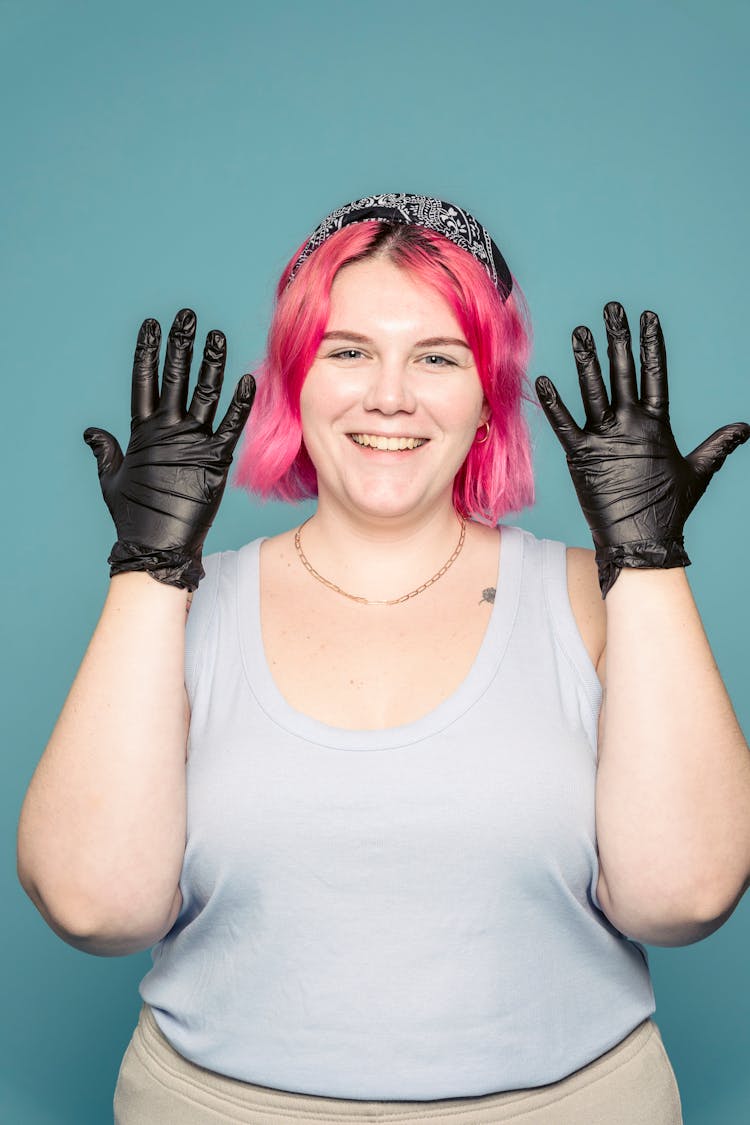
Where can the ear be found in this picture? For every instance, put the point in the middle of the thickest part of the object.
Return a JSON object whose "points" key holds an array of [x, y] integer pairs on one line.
{"points": [[486, 412]]}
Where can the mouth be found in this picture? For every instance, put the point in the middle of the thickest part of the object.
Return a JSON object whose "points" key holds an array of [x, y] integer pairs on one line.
{"points": [[387, 444]]}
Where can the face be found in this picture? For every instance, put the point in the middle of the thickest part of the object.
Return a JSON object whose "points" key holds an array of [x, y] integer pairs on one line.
{"points": [[393, 369]]}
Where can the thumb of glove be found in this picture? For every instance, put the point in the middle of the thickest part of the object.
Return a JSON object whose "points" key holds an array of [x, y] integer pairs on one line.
{"points": [[105, 448], [708, 457]]}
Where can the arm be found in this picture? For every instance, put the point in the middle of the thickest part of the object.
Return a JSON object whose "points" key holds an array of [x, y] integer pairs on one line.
{"points": [[673, 782], [102, 830]]}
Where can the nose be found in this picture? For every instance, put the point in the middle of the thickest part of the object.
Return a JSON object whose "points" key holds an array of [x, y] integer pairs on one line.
{"points": [[389, 388]]}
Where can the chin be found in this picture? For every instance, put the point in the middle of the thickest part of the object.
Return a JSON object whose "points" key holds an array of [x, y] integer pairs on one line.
{"points": [[389, 506]]}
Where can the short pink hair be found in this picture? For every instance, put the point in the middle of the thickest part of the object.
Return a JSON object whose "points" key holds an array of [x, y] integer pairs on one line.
{"points": [[496, 476]]}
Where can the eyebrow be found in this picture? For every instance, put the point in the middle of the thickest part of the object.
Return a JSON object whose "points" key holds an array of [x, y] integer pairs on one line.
{"points": [[431, 342]]}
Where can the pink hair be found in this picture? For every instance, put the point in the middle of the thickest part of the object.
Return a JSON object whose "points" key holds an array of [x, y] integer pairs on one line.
{"points": [[496, 476]]}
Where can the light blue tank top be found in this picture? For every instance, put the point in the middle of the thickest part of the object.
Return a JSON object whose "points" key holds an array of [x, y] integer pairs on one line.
{"points": [[400, 914]]}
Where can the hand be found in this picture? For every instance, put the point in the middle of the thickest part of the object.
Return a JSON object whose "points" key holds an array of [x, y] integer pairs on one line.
{"points": [[164, 493], [635, 487]]}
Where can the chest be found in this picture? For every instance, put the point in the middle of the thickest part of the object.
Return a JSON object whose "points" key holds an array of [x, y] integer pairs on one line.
{"points": [[371, 667]]}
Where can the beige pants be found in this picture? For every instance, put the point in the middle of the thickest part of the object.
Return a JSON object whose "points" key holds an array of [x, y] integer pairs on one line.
{"points": [[633, 1084]]}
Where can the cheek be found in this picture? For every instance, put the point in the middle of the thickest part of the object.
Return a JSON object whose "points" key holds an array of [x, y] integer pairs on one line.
{"points": [[325, 394], [312, 400], [460, 409], [322, 403]]}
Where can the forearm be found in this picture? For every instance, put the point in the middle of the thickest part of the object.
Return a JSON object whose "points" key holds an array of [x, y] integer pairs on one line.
{"points": [[102, 830], [673, 785]]}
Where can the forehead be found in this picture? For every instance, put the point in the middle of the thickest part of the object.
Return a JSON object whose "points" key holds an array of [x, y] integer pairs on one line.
{"points": [[376, 288]]}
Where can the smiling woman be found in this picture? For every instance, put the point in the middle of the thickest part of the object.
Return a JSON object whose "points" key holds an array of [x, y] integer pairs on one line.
{"points": [[488, 320], [394, 393], [394, 856]]}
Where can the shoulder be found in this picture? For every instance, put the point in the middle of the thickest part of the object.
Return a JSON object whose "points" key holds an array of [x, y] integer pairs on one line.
{"points": [[279, 556], [587, 603]]}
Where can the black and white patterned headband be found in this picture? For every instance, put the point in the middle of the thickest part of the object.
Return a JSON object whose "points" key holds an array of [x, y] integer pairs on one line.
{"points": [[435, 214]]}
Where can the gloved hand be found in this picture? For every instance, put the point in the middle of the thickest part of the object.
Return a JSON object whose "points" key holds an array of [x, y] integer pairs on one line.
{"points": [[164, 493], [635, 487]]}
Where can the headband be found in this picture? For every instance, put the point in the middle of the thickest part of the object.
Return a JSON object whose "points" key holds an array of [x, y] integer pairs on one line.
{"points": [[435, 214]]}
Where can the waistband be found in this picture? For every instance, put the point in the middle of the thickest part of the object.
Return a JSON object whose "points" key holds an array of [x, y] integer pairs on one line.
{"points": [[214, 1090]]}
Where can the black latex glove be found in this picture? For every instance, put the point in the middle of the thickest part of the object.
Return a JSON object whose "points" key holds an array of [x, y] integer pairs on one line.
{"points": [[635, 487], [164, 493]]}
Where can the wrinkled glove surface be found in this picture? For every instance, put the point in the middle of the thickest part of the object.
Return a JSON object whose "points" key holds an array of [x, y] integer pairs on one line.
{"points": [[634, 486], [164, 492]]}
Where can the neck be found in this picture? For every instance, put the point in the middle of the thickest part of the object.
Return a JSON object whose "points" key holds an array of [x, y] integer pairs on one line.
{"points": [[381, 558]]}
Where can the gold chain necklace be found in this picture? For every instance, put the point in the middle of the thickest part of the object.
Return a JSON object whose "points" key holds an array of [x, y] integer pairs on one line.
{"points": [[366, 601]]}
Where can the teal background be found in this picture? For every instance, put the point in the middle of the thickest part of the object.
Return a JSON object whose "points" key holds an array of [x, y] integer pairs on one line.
{"points": [[158, 155]]}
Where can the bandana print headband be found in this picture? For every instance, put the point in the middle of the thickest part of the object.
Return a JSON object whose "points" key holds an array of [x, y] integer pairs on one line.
{"points": [[435, 214]]}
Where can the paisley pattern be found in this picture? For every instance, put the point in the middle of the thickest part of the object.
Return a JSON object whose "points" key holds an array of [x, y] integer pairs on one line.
{"points": [[435, 214]]}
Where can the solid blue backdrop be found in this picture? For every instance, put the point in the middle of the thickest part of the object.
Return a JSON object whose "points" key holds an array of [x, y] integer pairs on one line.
{"points": [[164, 155]]}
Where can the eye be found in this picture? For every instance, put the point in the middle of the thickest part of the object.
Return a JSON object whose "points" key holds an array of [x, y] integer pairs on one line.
{"points": [[442, 360], [347, 353]]}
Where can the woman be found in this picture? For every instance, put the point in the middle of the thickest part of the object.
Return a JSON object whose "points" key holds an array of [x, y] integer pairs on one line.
{"points": [[352, 805]]}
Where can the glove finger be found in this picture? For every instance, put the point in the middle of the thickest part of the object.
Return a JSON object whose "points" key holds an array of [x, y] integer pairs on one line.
{"points": [[593, 391], [708, 457], [174, 385], [654, 390], [105, 448], [234, 420], [210, 377], [145, 385], [621, 362], [558, 416]]}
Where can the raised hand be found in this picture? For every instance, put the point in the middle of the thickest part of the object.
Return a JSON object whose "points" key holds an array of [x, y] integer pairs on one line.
{"points": [[634, 486], [163, 494]]}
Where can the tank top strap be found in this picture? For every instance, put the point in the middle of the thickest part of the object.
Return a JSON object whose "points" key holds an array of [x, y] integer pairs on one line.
{"points": [[563, 623]]}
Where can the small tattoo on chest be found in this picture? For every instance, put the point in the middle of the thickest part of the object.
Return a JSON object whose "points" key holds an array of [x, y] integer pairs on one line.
{"points": [[488, 595]]}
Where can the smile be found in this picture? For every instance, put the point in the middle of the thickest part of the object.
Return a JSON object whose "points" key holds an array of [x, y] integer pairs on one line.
{"points": [[374, 441]]}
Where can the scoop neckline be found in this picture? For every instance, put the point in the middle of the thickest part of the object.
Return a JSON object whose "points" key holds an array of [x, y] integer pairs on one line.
{"points": [[261, 683]]}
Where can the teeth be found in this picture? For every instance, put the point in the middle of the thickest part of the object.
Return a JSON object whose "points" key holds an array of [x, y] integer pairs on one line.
{"points": [[388, 443]]}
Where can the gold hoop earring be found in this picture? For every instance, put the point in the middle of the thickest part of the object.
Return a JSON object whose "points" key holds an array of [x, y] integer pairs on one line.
{"points": [[484, 439]]}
